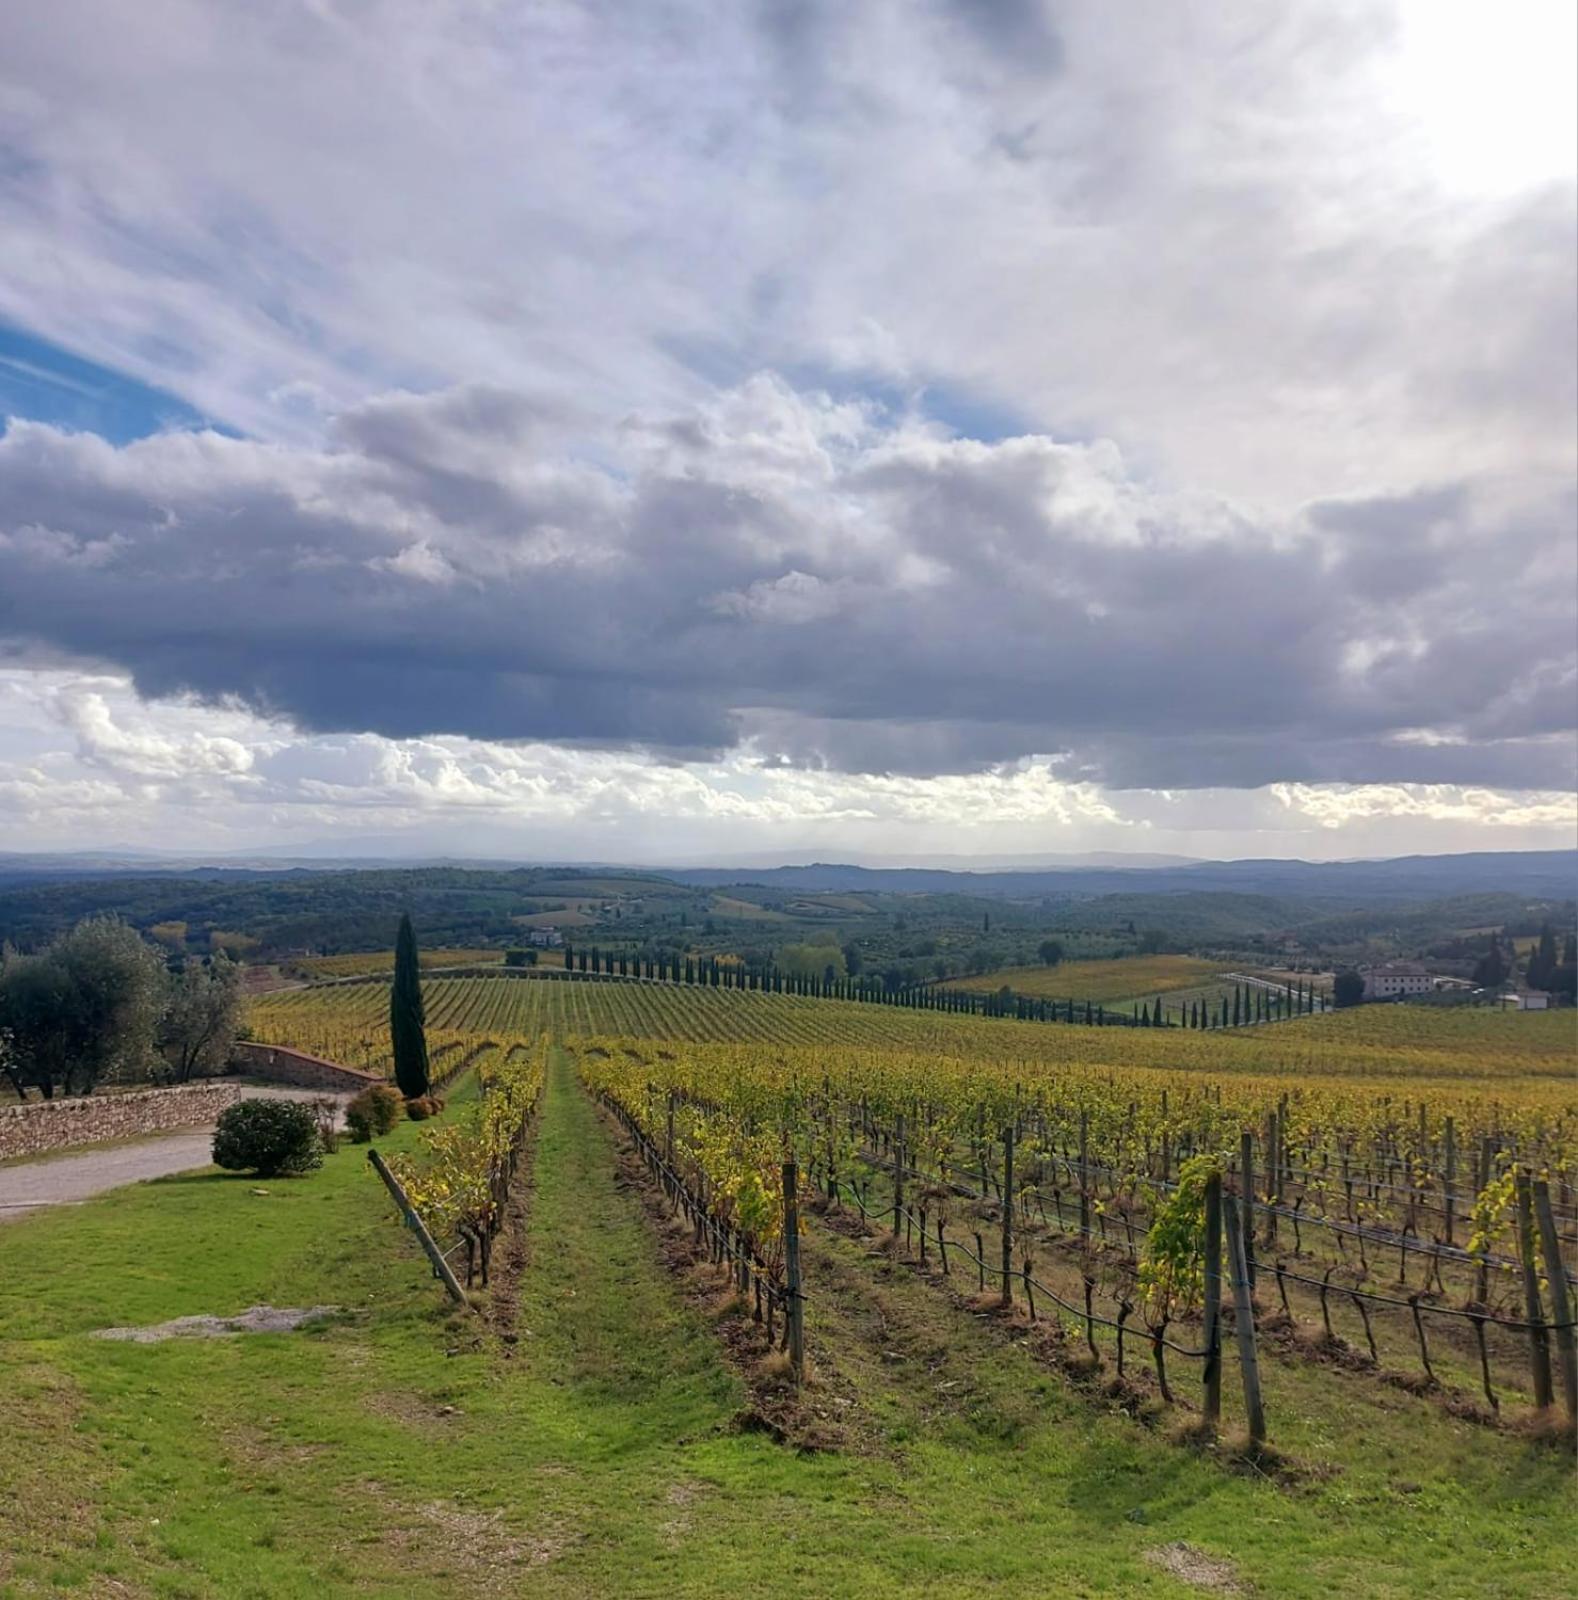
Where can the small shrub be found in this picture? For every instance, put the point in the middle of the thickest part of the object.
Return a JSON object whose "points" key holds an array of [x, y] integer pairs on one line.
{"points": [[374, 1111], [423, 1106], [274, 1138], [326, 1113]]}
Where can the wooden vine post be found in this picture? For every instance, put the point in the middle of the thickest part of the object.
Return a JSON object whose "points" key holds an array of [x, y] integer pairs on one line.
{"points": [[1449, 1181], [1008, 1215], [419, 1228], [1246, 1162], [1244, 1322], [1213, 1300], [1561, 1296], [1084, 1175], [898, 1173], [795, 1308], [1539, 1338]]}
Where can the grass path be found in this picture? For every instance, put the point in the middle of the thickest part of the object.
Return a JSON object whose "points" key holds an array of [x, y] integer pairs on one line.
{"points": [[404, 1451]]}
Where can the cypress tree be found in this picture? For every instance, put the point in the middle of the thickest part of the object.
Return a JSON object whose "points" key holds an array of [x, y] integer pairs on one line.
{"points": [[1542, 961], [406, 1017]]}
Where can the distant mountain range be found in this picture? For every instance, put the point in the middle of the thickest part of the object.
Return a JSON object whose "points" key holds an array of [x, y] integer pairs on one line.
{"points": [[1539, 874], [1535, 874]]}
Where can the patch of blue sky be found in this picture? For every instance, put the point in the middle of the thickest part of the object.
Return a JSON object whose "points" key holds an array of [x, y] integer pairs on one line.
{"points": [[42, 382], [960, 410]]}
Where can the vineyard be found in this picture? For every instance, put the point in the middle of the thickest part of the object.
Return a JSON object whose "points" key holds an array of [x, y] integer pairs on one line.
{"points": [[1398, 1172], [1517, 1060], [1390, 1227], [460, 1181]]}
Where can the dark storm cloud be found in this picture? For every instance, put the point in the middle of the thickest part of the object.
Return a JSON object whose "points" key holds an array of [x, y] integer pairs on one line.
{"points": [[788, 571]]}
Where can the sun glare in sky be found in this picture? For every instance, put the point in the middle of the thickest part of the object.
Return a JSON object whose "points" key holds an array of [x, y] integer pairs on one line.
{"points": [[1493, 88]]}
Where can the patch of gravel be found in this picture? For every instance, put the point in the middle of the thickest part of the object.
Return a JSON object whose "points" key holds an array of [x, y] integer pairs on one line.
{"points": [[255, 1319], [1191, 1564]]}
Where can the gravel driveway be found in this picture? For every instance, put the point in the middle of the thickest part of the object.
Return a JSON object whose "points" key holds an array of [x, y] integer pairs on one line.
{"points": [[68, 1178]]}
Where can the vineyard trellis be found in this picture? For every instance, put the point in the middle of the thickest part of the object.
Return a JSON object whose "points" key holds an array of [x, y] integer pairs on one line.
{"points": [[1380, 1174], [902, 1123], [460, 1182]]}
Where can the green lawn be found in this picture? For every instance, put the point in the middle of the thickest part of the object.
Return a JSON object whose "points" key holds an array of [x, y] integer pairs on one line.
{"points": [[396, 1452]]}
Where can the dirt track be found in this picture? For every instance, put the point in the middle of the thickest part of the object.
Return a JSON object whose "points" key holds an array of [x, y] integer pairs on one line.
{"points": [[69, 1178]]}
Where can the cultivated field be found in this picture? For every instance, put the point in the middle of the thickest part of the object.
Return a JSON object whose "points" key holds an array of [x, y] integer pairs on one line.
{"points": [[368, 963], [1513, 1058], [1096, 980], [614, 1421]]}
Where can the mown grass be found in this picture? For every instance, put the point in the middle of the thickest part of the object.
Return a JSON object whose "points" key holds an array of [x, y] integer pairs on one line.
{"points": [[395, 1452]]}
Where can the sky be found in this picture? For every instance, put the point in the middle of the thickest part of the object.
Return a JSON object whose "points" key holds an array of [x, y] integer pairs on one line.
{"points": [[707, 431]]}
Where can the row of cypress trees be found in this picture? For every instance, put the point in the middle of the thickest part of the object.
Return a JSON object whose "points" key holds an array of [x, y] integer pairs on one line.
{"points": [[1250, 1002]]}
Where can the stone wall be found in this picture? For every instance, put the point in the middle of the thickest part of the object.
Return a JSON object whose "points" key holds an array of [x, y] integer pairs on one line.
{"points": [[280, 1065], [42, 1125]]}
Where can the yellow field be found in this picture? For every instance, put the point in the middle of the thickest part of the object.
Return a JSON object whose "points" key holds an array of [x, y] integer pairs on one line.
{"points": [[1542, 1040], [363, 963], [1096, 980]]}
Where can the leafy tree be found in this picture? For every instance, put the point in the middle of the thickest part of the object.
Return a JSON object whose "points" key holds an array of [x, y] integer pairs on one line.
{"points": [[1152, 941], [83, 1009], [407, 1017], [1051, 952], [852, 959], [201, 1014], [520, 958], [812, 960], [1347, 989]]}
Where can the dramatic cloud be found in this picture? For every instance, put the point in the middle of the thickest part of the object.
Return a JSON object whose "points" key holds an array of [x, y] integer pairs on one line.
{"points": [[687, 401], [92, 762], [806, 578], [1222, 235]]}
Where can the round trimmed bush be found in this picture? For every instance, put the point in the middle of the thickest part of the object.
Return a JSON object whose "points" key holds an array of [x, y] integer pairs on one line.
{"points": [[274, 1138], [374, 1111]]}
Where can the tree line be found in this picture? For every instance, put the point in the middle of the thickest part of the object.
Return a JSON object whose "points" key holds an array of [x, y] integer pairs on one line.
{"points": [[101, 1004], [1249, 1003]]}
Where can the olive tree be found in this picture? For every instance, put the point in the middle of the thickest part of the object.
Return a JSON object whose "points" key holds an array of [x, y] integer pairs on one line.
{"points": [[81, 1010], [201, 1014]]}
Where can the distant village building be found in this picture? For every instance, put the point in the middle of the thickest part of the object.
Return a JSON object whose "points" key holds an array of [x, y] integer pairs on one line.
{"points": [[1394, 978], [1526, 1000], [545, 938]]}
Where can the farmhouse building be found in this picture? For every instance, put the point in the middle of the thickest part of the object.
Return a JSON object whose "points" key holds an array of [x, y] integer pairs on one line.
{"points": [[1394, 978], [545, 938], [1526, 1000]]}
